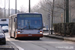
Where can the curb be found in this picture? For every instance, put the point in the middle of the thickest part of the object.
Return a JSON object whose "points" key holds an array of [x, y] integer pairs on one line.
{"points": [[3, 47], [54, 37], [61, 38], [69, 40]]}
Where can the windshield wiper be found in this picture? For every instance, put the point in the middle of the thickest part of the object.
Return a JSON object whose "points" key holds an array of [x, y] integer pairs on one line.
{"points": [[33, 28], [39, 28], [36, 28], [20, 28]]}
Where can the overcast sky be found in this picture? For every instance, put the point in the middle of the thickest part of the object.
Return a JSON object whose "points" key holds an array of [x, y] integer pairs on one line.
{"points": [[20, 3]]}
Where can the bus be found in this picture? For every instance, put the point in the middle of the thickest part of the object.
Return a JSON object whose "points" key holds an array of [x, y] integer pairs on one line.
{"points": [[4, 22], [26, 25]]}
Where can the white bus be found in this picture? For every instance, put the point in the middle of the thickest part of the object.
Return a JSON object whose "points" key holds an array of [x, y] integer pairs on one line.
{"points": [[4, 22], [26, 25]]}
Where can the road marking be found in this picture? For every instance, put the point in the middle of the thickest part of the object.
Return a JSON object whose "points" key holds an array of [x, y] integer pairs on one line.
{"points": [[20, 48], [65, 47]]}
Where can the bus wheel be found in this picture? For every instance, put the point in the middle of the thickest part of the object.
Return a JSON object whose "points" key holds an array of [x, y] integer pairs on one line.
{"points": [[11, 36], [15, 36]]}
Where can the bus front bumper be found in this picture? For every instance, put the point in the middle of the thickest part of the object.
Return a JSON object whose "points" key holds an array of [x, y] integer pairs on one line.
{"points": [[29, 35]]}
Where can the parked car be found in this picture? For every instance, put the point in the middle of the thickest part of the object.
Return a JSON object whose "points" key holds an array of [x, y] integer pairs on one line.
{"points": [[5, 28], [2, 37]]}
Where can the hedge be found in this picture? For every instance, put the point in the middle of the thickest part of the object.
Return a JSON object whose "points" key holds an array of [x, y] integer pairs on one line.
{"points": [[65, 28]]}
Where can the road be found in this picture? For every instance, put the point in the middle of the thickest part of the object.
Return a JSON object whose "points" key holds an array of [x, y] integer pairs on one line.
{"points": [[44, 43]]}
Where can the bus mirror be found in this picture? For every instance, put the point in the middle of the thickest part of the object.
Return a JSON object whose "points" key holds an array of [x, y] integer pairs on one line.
{"points": [[43, 25], [15, 19]]}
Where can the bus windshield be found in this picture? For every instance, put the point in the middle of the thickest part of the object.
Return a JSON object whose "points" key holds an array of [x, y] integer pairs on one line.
{"points": [[29, 22]]}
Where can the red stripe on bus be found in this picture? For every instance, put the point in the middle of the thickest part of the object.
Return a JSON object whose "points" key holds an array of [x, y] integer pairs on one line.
{"points": [[29, 35]]}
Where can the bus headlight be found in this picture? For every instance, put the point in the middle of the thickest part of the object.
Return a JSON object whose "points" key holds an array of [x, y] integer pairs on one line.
{"points": [[41, 32], [19, 32]]}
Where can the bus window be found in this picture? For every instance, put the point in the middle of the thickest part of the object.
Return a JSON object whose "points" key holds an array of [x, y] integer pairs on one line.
{"points": [[22, 24], [35, 24], [3, 19], [26, 22], [30, 23]]}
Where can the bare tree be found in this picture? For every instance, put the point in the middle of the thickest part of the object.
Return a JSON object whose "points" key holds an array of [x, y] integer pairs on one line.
{"points": [[60, 6], [72, 10], [22, 9], [72, 4]]}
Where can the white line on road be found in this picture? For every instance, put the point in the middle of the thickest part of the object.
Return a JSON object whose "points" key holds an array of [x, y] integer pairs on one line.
{"points": [[20, 48]]}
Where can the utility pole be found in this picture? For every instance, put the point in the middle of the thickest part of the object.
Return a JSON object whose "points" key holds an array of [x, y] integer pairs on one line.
{"points": [[4, 8], [70, 10], [67, 11], [64, 11], [29, 6], [15, 6], [9, 8], [49, 22], [52, 18], [64, 17]]}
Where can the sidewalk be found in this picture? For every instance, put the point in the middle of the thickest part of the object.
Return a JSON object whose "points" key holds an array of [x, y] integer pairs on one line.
{"points": [[59, 37], [8, 46]]}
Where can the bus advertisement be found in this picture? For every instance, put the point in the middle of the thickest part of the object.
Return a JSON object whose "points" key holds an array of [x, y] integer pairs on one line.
{"points": [[26, 25]]}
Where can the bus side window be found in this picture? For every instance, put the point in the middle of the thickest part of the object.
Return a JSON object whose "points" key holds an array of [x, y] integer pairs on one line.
{"points": [[15, 19]]}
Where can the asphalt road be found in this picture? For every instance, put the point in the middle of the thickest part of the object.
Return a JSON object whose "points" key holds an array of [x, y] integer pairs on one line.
{"points": [[44, 43]]}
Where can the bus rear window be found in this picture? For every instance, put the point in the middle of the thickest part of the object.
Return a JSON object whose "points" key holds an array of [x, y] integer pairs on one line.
{"points": [[3, 19]]}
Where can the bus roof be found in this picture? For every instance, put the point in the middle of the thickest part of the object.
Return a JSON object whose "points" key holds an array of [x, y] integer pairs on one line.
{"points": [[15, 15], [29, 13]]}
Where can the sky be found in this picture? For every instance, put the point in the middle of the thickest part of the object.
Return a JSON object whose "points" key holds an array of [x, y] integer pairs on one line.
{"points": [[20, 3]]}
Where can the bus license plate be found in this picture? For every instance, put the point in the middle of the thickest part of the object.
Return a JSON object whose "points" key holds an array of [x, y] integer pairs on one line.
{"points": [[29, 35]]}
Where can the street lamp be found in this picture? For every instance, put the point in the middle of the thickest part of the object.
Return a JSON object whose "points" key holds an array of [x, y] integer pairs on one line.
{"points": [[15, 6], [67, 11], [4, 8], [52, 18], [29, 6], [49, 21], [9, 8], [64, 17]]}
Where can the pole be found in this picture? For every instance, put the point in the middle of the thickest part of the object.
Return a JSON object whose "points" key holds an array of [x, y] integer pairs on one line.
{"points": [[52, 18], [4, 9], [15, 6], [9, 8], [64, 17], [64, 10], [67, 11], [70, 9], [29, 6], [49, 22]]}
